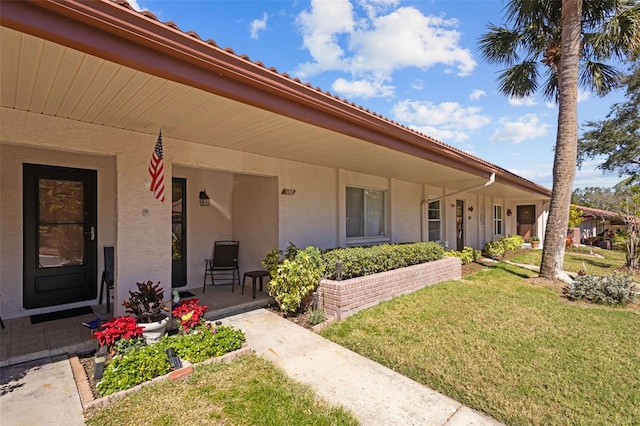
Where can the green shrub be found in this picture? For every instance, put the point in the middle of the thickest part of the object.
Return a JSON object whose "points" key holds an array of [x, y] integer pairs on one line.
{"points": [[513, 242], [274, 257], [143, 364], [468, 254], [362, 261], [494, 249], [316, 316], [616, 289], [295, 278]]}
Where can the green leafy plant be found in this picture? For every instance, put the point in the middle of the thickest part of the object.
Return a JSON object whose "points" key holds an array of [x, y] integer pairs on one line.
{"points": [[275, 256], [468, 254], [615, 289], [143, 364], [316, 316], [296, 278], [133, 368], [534, 238], [147, 304], [513, 242], [494, 249]]}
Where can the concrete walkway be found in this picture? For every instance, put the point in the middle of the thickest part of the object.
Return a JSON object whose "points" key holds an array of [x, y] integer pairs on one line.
{"points": [[44, 392], [40, 392], [375, 394]]}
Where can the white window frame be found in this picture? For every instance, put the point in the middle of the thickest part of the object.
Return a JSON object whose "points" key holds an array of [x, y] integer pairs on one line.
{"points": [[498, 219], [369, 239], [438, 220]]}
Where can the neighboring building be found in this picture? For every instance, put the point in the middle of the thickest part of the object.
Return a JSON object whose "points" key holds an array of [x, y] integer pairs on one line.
{"points": [[85, 89], [595, 222]]}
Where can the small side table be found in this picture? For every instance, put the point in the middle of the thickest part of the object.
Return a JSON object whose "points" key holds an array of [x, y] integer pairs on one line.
{"points": [[253, 275]]}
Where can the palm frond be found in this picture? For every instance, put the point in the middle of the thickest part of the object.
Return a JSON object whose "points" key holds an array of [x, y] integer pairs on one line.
{"points": [[599, 78], [499, 45], [550, 89], [520, 80]]}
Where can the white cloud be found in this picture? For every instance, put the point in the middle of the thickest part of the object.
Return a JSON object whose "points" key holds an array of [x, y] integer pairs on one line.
{"points": [[258, 25], [373, 7], [525, 101], [582, 95], [418, 84], [525, 127], [407, 38], [477, 94], [375, 46], [361, 88], [134, 4], [320, 30], [542, 174], [448, 121]]}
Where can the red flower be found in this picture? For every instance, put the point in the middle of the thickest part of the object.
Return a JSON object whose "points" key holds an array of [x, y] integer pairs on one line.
{"points": [[118, 328], [189, 313]]}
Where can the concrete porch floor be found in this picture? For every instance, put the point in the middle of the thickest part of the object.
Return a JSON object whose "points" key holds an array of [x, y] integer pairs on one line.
{"points": [[21, 341]]}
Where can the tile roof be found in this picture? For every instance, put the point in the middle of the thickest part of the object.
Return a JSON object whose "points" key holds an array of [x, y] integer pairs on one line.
{"points": [[309, 86]]}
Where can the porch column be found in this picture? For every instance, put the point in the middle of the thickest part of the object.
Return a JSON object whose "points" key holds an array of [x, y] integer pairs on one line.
{"points": [[143, 225]]}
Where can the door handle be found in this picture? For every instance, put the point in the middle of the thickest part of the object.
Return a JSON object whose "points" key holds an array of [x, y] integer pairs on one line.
{"points": [[93, 233]]}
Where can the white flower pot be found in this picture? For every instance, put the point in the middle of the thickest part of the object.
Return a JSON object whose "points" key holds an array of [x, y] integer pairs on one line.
{"points": [[153, 331]]}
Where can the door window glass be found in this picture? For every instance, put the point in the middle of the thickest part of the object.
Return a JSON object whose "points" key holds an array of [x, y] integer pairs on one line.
{"points": [[60, 223]]}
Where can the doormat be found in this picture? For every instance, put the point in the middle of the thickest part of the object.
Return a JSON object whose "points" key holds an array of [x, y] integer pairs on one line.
{"points": [[184, 294], [67, 313]]}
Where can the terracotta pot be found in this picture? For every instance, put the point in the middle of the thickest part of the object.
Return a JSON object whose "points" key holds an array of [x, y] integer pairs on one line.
{"points": [[535, 244]]}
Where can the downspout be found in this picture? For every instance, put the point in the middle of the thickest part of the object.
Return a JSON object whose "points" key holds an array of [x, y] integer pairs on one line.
{"points": [[424, 204]]}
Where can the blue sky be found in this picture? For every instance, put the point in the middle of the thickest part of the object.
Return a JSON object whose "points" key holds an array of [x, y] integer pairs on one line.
{"points": [[415, 62]]}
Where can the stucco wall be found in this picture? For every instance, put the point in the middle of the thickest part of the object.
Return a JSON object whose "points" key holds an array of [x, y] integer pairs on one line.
{"points": [[405, 212], [255, 219]]}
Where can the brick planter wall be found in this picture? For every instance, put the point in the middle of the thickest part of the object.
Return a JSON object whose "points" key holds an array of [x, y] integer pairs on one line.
{"points": [[341, 299]]}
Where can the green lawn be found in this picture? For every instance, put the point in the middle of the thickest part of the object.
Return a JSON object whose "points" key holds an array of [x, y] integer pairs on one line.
{"points": [[508, 345], [247, 391], [578, 259]]}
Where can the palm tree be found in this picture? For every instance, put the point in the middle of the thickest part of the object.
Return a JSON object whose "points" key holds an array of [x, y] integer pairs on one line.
{"points": [[536, 47]]}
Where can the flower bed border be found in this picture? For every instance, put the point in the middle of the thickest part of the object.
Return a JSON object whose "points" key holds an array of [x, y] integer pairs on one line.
{"points": [[86, 395], [341, 299]]}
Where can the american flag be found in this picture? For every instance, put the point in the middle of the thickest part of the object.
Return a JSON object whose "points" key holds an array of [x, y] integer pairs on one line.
{"points": [[156, 170]]}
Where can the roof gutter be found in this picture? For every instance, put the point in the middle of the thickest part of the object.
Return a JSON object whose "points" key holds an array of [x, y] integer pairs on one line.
{"points": [[424, 203], [491, 180]]}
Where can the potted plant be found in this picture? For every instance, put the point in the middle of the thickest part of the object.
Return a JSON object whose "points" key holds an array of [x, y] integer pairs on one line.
{"points": [[535, 242], [150, 310]]}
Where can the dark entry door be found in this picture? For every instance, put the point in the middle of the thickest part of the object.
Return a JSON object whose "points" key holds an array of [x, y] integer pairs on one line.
{"points": [[59, 233], [459, 225], [178, 232], [526, 217]]}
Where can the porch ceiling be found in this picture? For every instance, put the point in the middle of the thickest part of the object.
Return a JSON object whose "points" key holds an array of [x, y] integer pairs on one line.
{"points": [[43, 77]]}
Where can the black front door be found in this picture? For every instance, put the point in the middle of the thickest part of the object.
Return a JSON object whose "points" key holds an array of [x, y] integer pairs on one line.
{"points": [[59, 216], [178, 232], [459, 225]]}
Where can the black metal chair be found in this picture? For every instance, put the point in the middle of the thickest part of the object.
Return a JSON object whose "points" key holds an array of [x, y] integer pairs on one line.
{"points": [[107, 276], [223, 262]]}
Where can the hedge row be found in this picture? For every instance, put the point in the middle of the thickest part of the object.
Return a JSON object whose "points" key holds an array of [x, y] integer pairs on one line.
{"points": [[362, 261]]}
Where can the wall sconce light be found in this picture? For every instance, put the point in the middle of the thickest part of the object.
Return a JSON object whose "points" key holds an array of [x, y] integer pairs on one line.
{"points": [[204, 198], [509, 212], [470, 208]]}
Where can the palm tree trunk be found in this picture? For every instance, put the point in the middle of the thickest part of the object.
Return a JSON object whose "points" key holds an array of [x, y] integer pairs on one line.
{"points": [[566, 151]]}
